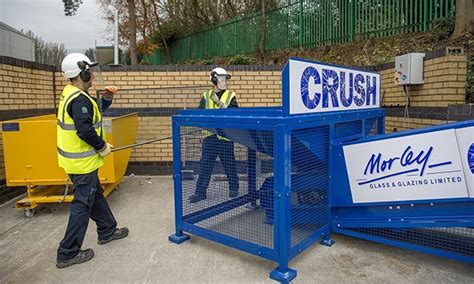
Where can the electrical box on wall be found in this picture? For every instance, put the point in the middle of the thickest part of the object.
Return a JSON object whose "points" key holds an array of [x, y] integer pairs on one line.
{"points": [[409, 69]]}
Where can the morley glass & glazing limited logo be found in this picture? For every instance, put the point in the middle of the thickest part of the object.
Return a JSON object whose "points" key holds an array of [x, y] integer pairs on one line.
{"points": [[410, 164]]}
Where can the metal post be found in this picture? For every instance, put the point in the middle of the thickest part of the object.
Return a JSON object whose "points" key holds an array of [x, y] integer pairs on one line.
{"points": [[282, 206], [301, 39], [326, 236], [352, 20], [430, 8], [234, 27], [116, 55], [179, 237]]}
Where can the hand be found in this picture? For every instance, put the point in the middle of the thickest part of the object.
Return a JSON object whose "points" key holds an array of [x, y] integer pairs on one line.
{"points": [[106, 150], [215, 98], [109, 92], [217, 101], [222, 105]]}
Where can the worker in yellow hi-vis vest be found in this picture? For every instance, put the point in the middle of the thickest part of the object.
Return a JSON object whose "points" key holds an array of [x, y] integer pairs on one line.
{"points": [[214, 145], [81, 151]]}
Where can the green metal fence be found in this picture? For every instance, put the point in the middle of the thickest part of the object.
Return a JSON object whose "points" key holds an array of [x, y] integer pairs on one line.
{"points": [[470, 78], [310, 23]]}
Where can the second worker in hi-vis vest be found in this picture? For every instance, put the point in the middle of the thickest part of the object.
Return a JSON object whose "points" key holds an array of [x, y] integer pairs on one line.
{"points": [[214, 145], [81, 151]]}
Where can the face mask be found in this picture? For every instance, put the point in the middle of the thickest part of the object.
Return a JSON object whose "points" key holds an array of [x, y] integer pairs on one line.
{"points": [[221, 82]]}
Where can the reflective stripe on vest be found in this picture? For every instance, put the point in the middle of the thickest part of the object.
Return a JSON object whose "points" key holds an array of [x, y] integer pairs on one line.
{"points": [[226, 98], [73, 127], [75, 156]]}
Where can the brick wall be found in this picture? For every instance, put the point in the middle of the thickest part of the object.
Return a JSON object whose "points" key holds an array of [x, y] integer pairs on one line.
{"points": [[254, 88], [26, 89], [394, 124], [444, 84], [157, 92]]}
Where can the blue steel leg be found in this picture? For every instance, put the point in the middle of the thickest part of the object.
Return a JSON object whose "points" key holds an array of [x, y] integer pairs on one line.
{"points": [[283, 275], [282, 207], [252, 177], [327, 241], [179, 237]]}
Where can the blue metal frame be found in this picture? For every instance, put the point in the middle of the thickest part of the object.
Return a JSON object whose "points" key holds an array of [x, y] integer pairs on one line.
{"points": [[282, 208], [436, 213], [201, 118], [274, 120], [342, 196], [179, 237], [343, 216]]}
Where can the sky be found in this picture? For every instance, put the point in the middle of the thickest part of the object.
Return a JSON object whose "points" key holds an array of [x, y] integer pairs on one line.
{"points": [[46, 19]]}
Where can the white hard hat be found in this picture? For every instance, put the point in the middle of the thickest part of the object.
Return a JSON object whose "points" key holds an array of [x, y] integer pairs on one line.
{"points": [[220, 72], [74, 63]]}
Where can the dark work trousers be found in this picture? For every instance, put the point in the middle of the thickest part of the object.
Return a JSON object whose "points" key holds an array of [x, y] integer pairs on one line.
{"points": [[89, 201], [211, 148]]}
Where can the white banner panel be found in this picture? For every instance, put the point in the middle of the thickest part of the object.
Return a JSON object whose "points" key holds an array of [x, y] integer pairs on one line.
{"points": [[315, 87], [416, 167], [466, 151]]}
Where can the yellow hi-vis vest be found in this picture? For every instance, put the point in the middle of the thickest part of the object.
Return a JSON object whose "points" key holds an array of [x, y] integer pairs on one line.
{"points": [[226, 98], [74, 155]]}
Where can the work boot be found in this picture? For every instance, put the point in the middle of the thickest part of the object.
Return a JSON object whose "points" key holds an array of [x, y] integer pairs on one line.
{"points": [[82, 256], [119, 233], [233, 193], [197, 197]]}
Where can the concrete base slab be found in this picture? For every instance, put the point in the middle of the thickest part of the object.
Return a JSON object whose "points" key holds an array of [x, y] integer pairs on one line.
{"points": [[146, 206]]}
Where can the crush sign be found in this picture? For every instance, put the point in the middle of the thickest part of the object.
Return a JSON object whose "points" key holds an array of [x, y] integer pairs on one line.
{"points": [[316, 87]]}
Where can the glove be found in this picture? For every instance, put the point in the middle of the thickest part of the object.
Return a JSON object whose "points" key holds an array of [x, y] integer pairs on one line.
{"points": [[110, 91], [217, 101], [106, 150]]}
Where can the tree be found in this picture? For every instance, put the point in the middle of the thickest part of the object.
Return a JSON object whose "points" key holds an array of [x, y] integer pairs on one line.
{"points": [[148, 23], [71, 6], [48, 52], [464, 21], [194, 15], [263, 30], [160, 30], [133, 32], [91, 54]]}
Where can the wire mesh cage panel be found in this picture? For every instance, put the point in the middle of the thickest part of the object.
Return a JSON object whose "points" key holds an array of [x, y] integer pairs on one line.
{"points": [[357, 128], [258, 180], [222, 171], [309, 181], [344, 129], [458, 240], [373, 126]]}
